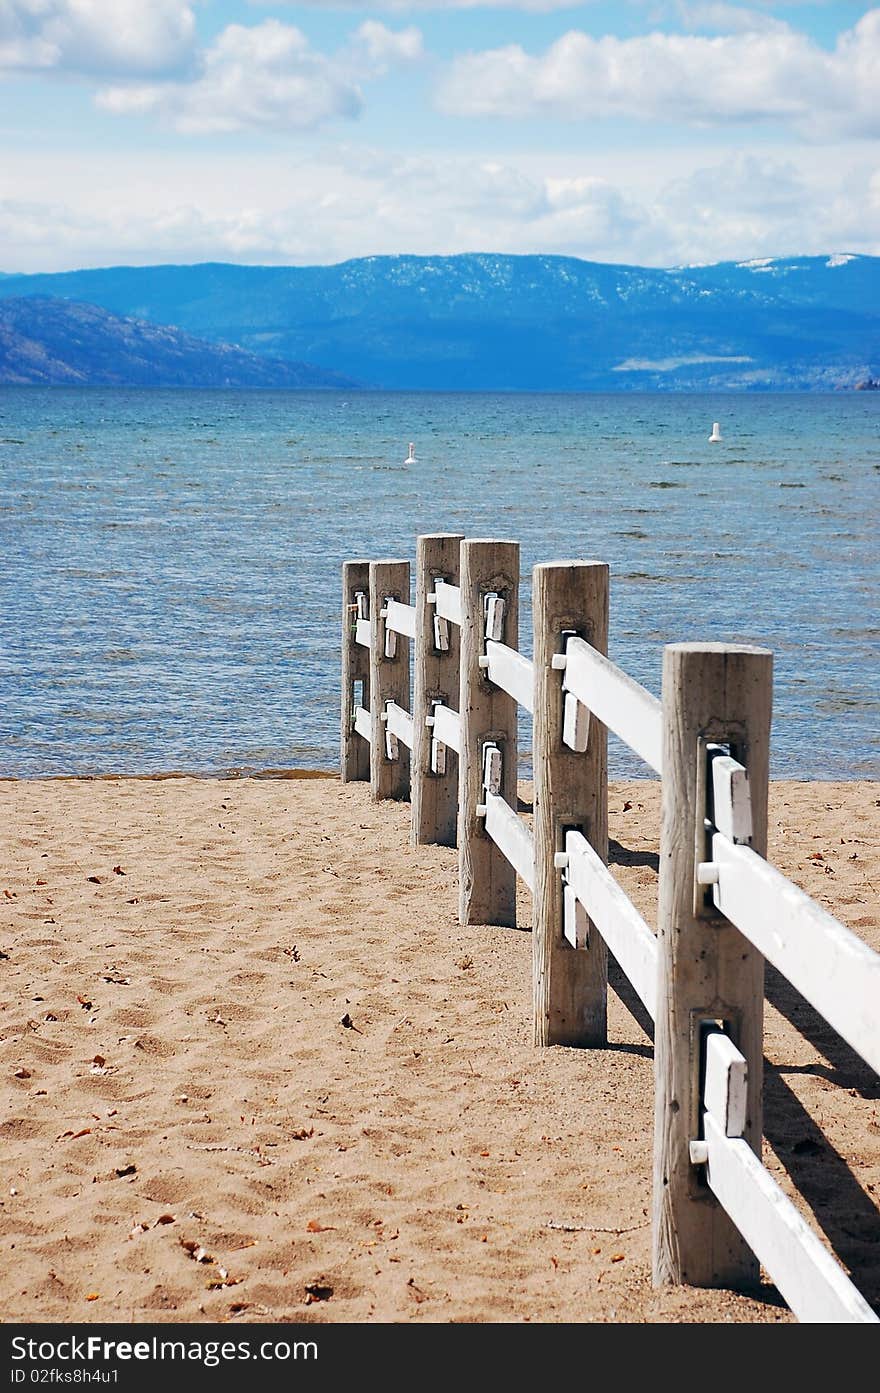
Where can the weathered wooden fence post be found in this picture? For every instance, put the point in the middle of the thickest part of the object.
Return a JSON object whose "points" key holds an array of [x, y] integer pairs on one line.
{"points": [[354, 752], [389, 679], [436, 654], [487, 881], [708, 972], [571, 792]]}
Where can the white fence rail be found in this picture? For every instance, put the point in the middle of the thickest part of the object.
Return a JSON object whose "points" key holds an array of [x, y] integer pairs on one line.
{"points": [[362, 723], [812, 1282], [446, 726], [722, 908], [616, 699], [836, 971], [511, 836], [399, 724], [447, 601], [400, 618], [614, 915], [513, 673]]}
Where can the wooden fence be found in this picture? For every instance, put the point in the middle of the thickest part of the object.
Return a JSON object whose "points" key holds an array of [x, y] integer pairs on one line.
{"points": [[723, 910]]}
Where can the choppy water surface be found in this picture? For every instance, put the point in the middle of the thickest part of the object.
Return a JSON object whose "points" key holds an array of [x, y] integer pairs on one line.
{"points": [[171, 560]]}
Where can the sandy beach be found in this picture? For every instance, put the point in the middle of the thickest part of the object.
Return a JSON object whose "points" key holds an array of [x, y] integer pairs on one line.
{"points": [[254, 1070]]}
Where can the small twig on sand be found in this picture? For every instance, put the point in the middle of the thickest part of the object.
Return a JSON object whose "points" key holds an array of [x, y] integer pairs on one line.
{"points": [[591, 1228]]}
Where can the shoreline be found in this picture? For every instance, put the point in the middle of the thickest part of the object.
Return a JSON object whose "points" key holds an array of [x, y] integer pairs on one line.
{"points": [[160, 775], [237, 775]]}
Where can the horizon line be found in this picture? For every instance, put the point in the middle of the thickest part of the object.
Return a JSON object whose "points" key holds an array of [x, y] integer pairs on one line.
{"points": [[744, 263]]}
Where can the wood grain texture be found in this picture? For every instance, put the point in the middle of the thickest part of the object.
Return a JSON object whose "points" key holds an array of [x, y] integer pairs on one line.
{"points": [[571, 793], [487, 881], [389, 679], [706, 969], [436, 678], [354, 753]]}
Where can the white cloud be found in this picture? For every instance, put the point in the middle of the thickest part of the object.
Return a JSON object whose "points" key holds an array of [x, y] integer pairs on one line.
{"points": [[748, 204], [716, 17], [349, 202], [96, 36], [380, 47], [775, 75], [412, 188], [759, 206], [399, 6], [268, 76]]}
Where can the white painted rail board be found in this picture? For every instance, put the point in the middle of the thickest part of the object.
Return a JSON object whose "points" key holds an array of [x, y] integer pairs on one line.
{"points": [[401, 618], [448, 601], [510, 835], [399, 723], [616, 700], [362, 632], [834, 969], [362, 722], [731, 799], [615, 916], [725, 1090], [447, 727], [513, 673], [575, 724], [575, 920], [814, 1285]]}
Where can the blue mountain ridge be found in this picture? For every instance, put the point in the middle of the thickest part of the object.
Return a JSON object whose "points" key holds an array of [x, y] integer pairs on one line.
{"points": [[48, 341], [490, 322]]}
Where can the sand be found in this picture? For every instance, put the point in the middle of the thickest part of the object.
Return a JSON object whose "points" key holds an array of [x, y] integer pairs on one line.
{"points": [[253, 1070]]}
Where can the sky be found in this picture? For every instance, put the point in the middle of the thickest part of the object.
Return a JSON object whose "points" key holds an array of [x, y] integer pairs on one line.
{"points": [[268, 132]]}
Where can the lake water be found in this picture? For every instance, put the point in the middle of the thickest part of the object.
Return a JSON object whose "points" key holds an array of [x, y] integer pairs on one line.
{"points": [[170, 585]]}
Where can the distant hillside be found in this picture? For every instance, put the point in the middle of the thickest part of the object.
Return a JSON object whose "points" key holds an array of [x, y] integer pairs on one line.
{"points": [[53, 341], [521, 322]]}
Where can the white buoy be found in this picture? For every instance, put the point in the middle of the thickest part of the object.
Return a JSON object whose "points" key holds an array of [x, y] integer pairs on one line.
{"points": [[716, 433], [411, 457]]}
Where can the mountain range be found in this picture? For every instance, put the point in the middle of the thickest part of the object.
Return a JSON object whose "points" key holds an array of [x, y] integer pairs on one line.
{"points": [[44, 340], [493, 322]]}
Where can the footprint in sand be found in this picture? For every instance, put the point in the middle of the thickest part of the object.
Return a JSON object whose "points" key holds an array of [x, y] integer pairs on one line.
{"points": [[247, 979], [166, 1298], [21, 1129], [171, 1189], [133, 1016], [155, 1047]]}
